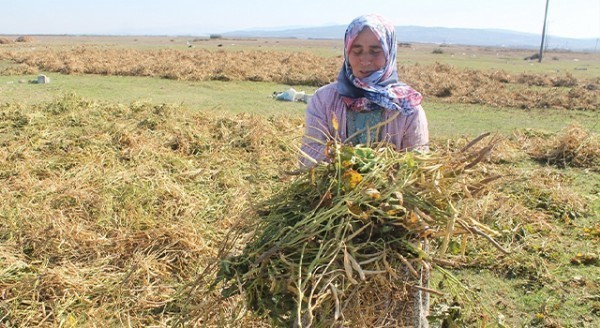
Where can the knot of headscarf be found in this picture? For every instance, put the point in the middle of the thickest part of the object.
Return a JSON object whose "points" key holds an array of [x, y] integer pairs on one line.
{"points": [[381, 89]]}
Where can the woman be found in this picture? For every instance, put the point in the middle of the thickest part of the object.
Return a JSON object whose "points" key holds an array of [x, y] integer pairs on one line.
{"points": [[366, 94], [370, 105]]}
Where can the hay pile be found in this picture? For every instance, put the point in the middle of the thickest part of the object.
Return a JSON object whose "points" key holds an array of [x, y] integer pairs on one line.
{"points": [[25, 39], [347, 241], [572, 147], [108, 210], [445, 82], [109, 214]]}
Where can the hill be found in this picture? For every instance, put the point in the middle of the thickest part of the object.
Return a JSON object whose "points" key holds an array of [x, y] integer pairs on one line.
{"points": [[440, 35]]}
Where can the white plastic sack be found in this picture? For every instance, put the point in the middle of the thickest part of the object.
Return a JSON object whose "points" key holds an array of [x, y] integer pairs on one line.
{"points": [[288, 95], [292, 95]]}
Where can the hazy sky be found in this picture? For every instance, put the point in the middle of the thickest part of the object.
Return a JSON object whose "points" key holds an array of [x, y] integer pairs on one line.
{"points": [[568, 18]]}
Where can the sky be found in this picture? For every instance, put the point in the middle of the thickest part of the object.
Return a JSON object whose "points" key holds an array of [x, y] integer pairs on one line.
{"points": [[566, 18]]}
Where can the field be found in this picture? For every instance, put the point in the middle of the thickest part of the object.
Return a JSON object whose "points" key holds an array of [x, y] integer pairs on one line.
{"points": [[121, 178]]}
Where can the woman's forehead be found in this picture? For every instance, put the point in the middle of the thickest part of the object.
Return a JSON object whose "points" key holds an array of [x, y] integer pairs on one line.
{"points": [[366, 37]]}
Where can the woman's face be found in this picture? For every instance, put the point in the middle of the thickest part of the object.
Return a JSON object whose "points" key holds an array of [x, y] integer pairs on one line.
{"points": [[366, 54]]}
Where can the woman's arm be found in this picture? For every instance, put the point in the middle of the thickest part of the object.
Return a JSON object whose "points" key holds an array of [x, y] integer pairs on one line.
{"points": [[316, 132], [416, 135]]}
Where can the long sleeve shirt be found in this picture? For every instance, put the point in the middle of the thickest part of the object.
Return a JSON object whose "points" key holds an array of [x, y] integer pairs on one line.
{"points": [[404, 132]]}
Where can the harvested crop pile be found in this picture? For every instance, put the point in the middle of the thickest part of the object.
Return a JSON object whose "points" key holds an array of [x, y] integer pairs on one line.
{"points": [[445, 82], [572, 147], [24, 38], [108, 209], [347, 241], [499, 89], [109, 214]]}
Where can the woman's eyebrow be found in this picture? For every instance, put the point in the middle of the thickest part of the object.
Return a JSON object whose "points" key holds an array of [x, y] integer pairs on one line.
{"points": [[378, 46]]}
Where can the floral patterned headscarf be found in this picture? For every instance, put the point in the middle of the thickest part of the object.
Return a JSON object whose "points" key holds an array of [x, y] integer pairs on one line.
{"points": [[381, 89]]}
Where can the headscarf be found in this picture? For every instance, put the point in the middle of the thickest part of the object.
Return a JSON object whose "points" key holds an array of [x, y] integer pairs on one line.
{"points": [[381, 89]]}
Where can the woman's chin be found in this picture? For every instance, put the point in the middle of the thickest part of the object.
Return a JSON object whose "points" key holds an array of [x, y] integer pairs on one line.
{"points": [[362, 75]]}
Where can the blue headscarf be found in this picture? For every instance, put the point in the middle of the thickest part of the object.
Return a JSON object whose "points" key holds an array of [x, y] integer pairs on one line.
{"points": [[381, 89]]}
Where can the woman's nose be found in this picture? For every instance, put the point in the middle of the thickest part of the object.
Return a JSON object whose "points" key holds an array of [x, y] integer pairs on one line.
{"points": [[365, 59]]}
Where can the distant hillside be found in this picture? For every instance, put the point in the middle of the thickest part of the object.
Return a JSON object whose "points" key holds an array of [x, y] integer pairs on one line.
{"points": [[465, 36]]}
